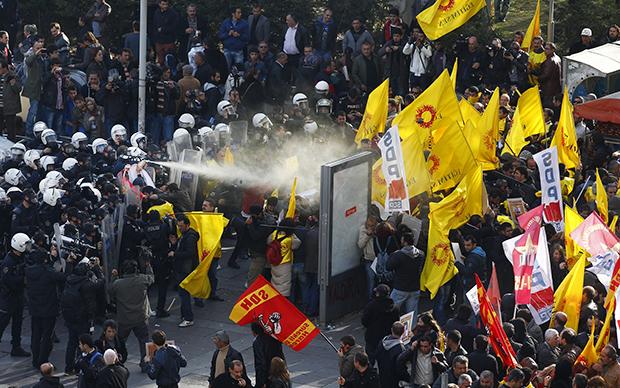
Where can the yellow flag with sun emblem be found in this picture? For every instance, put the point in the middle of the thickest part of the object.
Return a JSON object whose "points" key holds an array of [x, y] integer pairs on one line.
{"points": [[447, 15], [375, 114], [450, 158], [210, 227], [483, 135], [439, 265], [436, 103]]}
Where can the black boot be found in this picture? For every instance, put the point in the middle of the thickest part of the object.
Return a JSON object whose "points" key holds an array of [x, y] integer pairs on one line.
{"points": [[18, 351]]}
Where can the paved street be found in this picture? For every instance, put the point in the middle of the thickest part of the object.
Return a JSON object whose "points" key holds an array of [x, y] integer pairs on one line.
{"points": [[315, 366]]}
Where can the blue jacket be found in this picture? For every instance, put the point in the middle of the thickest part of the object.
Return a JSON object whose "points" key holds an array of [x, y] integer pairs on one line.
{"points": [[231, 42], [164, 367]]}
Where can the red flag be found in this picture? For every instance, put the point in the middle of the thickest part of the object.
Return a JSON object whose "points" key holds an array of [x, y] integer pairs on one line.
{"points": [[594, 236], [523, 256], [497, 336], [495, 296], [531, 218], [278, 316]]}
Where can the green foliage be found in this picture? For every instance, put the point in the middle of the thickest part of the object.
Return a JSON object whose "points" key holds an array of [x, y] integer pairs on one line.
{"points": [[573, 15]]}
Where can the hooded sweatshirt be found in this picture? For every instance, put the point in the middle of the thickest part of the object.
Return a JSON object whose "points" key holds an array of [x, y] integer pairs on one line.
{"points": [[407, 265]]}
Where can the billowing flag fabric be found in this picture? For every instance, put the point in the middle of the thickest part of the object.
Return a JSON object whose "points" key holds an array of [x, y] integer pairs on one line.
{"points": [[595, 237], [565, 137], [567, 297], [393, 167], [488, 135], [436, 103], [531, 218], [447, 167], [533, 30], [515, 139], [601, 199], [469, 112], [531, 112], [523, 257], [588, 355], [494, 293], [210, 227], [292, 202], [454, 72], [163, 209], [549, 171], [603, 336], [439, 265], [572, 220], [375, 114], [497, 336], [229, 158], [447, 15], [279, 318]]}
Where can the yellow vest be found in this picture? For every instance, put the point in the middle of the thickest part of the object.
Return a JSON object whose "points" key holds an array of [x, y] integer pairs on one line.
{"points": [[536, 59]]}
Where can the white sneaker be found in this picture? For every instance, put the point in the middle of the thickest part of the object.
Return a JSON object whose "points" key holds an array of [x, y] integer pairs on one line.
{"points": [[186, 323]]}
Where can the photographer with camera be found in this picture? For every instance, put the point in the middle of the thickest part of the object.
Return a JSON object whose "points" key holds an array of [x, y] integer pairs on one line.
{"points": [[419, 48], [113, 98], [129, 292], [55, 83], [10, 89], [36, 62], [496, 65], [518, 60], [471, 62]]}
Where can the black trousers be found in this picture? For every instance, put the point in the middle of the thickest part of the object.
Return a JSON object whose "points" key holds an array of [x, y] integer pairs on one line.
{"points": [[140, 330], [76, 329], [8, 125], [41, 339], [14, 314]]}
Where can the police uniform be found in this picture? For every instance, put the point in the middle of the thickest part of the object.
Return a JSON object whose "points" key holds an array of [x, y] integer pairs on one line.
{"points": [[12, 286]]}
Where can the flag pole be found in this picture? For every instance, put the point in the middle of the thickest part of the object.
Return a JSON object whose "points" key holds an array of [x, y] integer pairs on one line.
{"points": [[328, 341], [585, 185]]}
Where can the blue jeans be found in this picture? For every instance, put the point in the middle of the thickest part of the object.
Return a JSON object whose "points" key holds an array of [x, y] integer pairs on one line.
{"points": [[186, 300], [406, 301], [371, 278], [233, 57], [311, 294], [33, 114], [440, 302], [161, 128], [52, 117]]}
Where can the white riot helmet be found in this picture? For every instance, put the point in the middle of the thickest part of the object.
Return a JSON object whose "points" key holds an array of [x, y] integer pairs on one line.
{"points": [[46, 183], [47, 161], [322, 88], [260, 120], [51, 196], [208, 136], [14, 177], [38, 128], [48, 137], [224, 107], [118, 131], [223, 132], [138, 140], [99, 145], [186, 121], [136, 152], [80, 140], [56, 176], [310, 127], [31, 157], [21, 242], [17, 151], [92, 188], [300, 100], [324, 106], [69, 163]]}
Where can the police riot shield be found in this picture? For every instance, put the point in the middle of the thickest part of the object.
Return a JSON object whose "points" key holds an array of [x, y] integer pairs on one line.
{"points": [[239, 132], [182, 140], [171, 149], [117, 221], [187, 180]]}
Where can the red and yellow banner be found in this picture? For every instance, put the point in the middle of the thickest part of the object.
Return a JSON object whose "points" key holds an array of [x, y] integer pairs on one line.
{"points": [[275, 313]]}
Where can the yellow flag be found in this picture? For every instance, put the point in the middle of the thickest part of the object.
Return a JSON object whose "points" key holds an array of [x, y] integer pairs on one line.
{"points": [[418, 178], [437, 102], [572, 220], [292, 203], [603, 336], [375, 114], [454, 73], [533, 30], [484, 135], [447, 15], [601, 199], [229, 158], [469, 112], [450, 158], [588, 355], [565, 137], [439, 265], [210, 227], [163, 209], [515, 139], [531, 112], [567, 297]]}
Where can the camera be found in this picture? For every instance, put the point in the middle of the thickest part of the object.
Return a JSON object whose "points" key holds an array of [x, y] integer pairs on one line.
{"points": [[76, 246]]}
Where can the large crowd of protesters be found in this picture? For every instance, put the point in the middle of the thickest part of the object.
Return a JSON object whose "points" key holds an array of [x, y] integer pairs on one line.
{"points": [[75, 155]]}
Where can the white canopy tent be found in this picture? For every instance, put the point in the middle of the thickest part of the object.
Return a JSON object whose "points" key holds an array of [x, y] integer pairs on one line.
{"points": [[602, 62]]}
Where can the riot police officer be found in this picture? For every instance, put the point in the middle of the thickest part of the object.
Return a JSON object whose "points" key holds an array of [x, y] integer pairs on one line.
{"points": [[26, 215], [133, 235], [12, 286]]}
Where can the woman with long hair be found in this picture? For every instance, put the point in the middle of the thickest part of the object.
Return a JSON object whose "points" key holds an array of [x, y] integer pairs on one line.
{"points": [[279, 376]]}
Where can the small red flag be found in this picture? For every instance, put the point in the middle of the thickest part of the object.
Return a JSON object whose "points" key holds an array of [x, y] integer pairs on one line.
{"points": [[497, 335], [275, 313]]}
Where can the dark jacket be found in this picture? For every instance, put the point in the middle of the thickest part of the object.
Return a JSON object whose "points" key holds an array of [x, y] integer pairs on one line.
{"points": [[119, 346], [360, 73], [467, 330], [451, 378], [546, 355], [164, 26], [479, 361], [407, 266], [411, 356], [258, 235], [186, 255], [450, 355], [346, 364], [89, 367], [302, 38], [11, 94], [225, 380], [475, 263], [387, 353], [265, 348], [42, 284], [49, 382], [184, 38], [262, 29], [11, 280], [171, 95], [368, 379], [234, 43], [85, 310], [378, 317], [277, 83], [34, 81], [113, 376], [551, 77], [49, 95], [232, 355], [130, 295], [324, 35], [165, 365], [25, 219]]}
